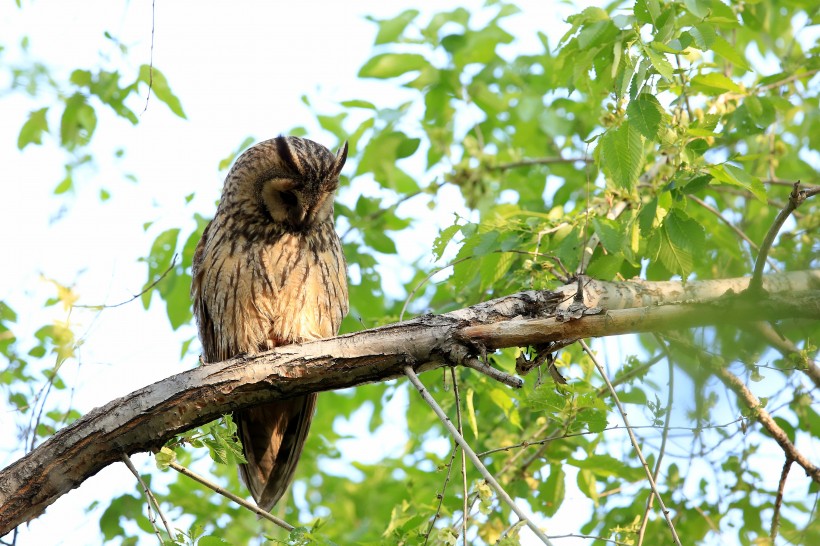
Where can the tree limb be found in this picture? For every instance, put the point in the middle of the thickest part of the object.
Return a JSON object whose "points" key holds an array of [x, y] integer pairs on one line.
{"points": [[146, 419]]}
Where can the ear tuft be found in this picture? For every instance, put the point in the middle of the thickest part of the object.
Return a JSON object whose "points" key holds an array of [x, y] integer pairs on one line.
{"points": [[341, 157]]}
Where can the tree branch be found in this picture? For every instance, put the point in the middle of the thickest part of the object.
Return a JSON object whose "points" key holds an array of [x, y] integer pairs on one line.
{"points": [[147, 418], [796, 198], [764, 418]]}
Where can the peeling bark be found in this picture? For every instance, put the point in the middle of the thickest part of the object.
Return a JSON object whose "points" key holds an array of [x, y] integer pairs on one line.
{"points": [[147, 418]]}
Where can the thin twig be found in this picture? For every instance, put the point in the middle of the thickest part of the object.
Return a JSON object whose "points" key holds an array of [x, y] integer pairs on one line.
{"points": [[778, 501], [634, 440], [489, 371], [739, 232], [788, 349], [414, 379], [539, 161], [664, 437], [465, 519], [796, 197], [135, 296], [151, 56], [151, 499], [424, 281], [532, 443], [764, 418], [441, 495], [593, 537], [225, 493]]}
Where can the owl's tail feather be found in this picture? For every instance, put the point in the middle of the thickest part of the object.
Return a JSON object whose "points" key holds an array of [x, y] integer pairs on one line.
{"points": [[273, 436]]}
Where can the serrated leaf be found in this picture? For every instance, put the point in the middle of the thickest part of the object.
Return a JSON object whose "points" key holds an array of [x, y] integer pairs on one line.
{"points": [[645, 113], [681, 237], [659, 62], [622, 154], [444, 237]]}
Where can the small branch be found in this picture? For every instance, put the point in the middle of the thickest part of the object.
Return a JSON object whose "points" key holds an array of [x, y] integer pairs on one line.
{"points": [[789, 350], [750, 401], [539, 161], [151, 58], [151, 499], [634, 441], [502, 377], [593, 537], [664, 437], [225, 493], [739, 232], [796, 198], [414, 379], [440, 496], [778, 501], [135, 296], [465, 519]]}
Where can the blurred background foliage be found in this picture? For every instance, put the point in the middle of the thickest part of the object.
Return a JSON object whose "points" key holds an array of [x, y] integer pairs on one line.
{"points": [[671, 130]]}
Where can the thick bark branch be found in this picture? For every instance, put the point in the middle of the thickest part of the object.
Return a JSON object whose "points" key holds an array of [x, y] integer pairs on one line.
{"points": [[149, 417]]}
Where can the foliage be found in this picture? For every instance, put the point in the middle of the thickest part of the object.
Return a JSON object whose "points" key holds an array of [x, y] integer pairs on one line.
{"points": [[670, 130]]}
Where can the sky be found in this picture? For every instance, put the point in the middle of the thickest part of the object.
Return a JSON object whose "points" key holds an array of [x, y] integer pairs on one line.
{"points": [[240, 69]]}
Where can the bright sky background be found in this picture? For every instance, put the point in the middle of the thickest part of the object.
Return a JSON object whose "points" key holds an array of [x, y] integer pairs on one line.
{"points": [[239, 69]]}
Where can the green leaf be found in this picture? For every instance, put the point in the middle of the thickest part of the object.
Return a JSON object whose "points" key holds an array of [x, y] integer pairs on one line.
{"points": [[714, 82], [164, 457], [78, 122], [586, 483], [645, 113], [391, 29], [554, 490], [611, 234], [471, 412], [659, 62], [728, 52], [32, 130], [729, 174], [622, 154], [444, 237], [158, 85], [681, 238], [391, 65]]}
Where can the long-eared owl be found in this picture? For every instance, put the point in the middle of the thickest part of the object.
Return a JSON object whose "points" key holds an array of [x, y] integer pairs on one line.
{"points": [[269, 271]]}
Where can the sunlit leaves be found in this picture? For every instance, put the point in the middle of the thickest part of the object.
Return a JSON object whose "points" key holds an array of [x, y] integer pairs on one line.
{"points": [[729, 174], [645, 113], [622, 154]]}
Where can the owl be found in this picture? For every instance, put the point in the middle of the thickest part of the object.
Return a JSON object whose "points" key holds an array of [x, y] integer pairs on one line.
{"points": [[268, 271]]}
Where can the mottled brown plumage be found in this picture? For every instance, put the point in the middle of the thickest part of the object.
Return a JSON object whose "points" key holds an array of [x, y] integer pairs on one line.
{"points": [[269, 271]]}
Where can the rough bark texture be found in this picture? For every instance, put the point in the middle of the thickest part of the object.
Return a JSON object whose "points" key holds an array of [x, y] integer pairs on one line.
{"points": [[149, 417]]}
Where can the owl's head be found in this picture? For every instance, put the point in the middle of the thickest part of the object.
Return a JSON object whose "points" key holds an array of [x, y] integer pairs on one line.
{"points": [[290, 180]]}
